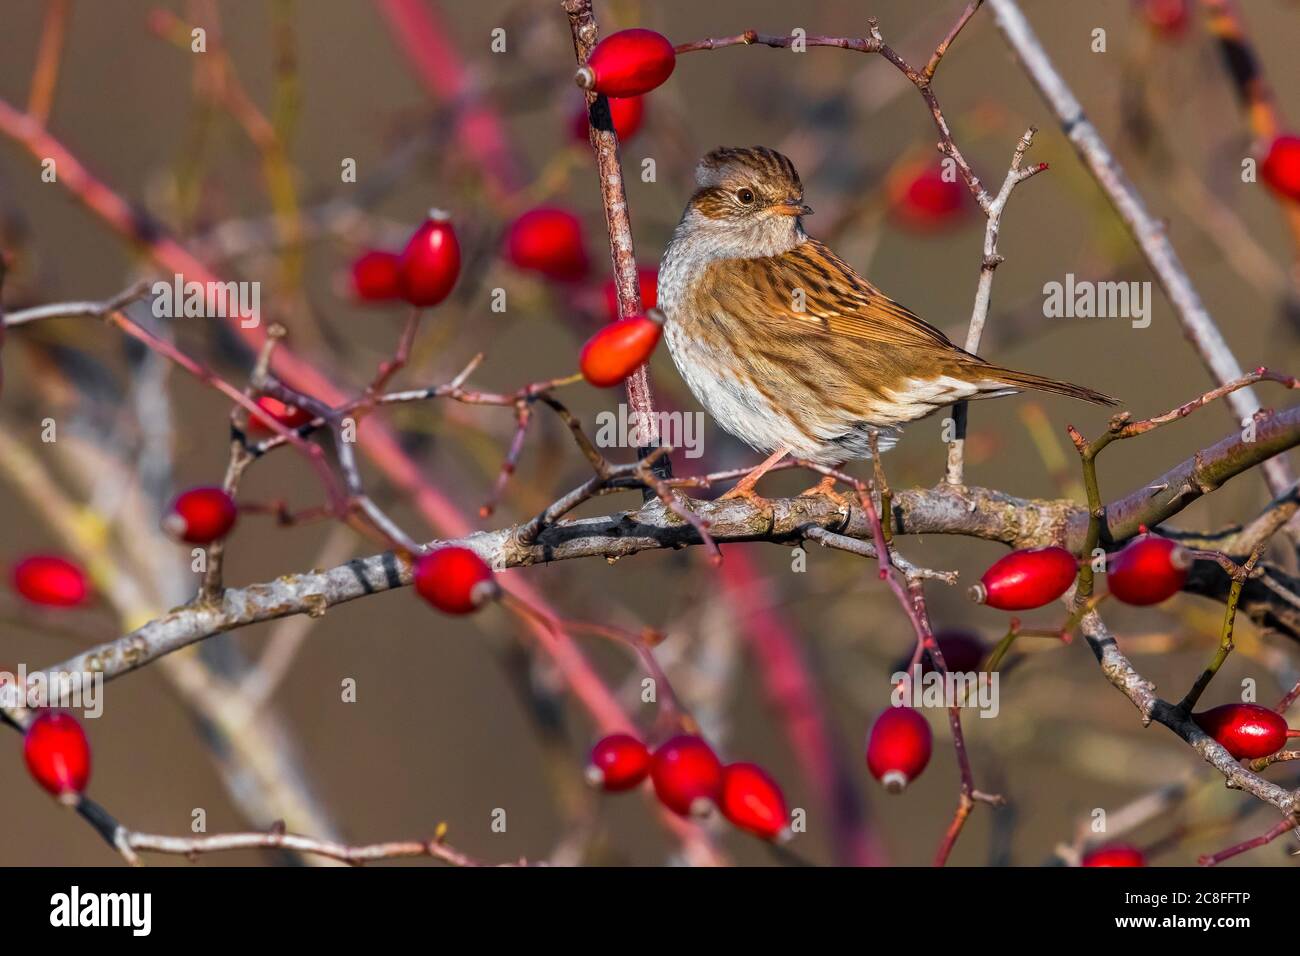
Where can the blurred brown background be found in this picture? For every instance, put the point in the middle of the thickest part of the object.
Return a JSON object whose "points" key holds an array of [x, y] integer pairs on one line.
{"points": [[440, 730]]}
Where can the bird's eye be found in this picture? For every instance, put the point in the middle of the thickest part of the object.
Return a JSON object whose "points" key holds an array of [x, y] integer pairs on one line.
{"points": [[746, 196]]}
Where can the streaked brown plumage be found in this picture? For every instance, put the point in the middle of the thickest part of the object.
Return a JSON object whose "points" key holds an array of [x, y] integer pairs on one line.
{"points": [[783, 343]]}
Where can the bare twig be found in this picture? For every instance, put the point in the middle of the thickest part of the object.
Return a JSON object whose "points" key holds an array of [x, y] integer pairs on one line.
{"points": [[1198, 325], [129, 843], [1214, 859], [1016, 175], [874, 43]]}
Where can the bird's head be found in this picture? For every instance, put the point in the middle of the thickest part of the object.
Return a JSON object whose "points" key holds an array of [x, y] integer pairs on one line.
{"points": [[747, 202]]}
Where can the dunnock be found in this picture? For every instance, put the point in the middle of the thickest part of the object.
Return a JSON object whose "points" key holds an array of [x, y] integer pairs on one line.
{"points": [[785, 345]]}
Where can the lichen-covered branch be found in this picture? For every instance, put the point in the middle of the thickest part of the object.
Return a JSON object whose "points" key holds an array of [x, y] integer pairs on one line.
{"points": [[973, 512]]}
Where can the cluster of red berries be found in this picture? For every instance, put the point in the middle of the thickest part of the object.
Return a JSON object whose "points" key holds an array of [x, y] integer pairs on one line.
{"points": [[686, 774], [547, 241], [1148, 570], [689, 779], [422, 274]]}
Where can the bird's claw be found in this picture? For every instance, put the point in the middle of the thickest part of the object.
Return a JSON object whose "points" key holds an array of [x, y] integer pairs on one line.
{"points": [[826, 489], [747, 493]]}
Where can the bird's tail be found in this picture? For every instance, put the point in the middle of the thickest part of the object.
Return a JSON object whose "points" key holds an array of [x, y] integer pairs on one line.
{"points": [[1018, 380]]}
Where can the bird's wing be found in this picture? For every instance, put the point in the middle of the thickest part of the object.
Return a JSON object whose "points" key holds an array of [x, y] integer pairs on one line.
{"points": [[809, 304], [810, 289]]}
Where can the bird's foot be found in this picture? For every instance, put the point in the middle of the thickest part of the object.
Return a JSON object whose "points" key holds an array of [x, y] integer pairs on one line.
{"points": [[745, 492], [826, 489]]}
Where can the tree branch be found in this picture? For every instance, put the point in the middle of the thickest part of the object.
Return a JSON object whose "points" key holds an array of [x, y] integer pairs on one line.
{"points": [[973, 511], [604, 142], [1149, 234]]}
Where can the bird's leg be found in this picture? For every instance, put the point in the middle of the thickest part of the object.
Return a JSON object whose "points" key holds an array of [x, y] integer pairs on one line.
{"points": [[745, 487], [826, 489]]}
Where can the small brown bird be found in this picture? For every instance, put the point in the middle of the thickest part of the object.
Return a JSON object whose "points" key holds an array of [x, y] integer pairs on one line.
{"points": [[785, 345]]}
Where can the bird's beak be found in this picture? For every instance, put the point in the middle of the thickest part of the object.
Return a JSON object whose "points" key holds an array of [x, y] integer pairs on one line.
{"points": [[793, 208]]}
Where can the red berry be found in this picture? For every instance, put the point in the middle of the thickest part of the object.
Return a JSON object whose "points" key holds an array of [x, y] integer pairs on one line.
{"points": [[1026, 579], [619, 349], [687, 775], [1167, 17], [201, 515], [549, 241], [375, 277], [57, 753], [752, 801], [430, 263], [923, 198], [647, 278], [454, 580], [1148, 570], [628, 63], [628, 113], [618, 762], [1246, 731], [1117, 854], [1281, 167], [290, 416], [899, 747], [50, 580]]}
